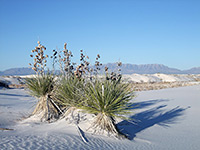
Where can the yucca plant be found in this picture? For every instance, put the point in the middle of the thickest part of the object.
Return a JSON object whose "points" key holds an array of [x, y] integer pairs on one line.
{"points": [[41, 87], [69, 93], [108, 100]]}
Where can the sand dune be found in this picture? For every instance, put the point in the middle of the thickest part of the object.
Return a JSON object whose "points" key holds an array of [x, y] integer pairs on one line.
{"points": [[163, 119], [159, 77]]}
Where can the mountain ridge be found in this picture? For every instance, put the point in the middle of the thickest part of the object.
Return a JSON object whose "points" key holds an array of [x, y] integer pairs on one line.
{"points": [[126, 69]]}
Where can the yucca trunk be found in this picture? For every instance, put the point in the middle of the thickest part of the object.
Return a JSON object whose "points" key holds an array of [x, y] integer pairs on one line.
{"points": [[69, 112], [45, 109], [104, 124]]}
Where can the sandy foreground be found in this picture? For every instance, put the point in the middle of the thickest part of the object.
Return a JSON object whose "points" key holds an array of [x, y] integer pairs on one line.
{"points": [[164, 119]]}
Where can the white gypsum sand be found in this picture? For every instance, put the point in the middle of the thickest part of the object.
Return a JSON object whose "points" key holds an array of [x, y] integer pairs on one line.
{"points": [[140, 82], [164, 119], [159, 77]]}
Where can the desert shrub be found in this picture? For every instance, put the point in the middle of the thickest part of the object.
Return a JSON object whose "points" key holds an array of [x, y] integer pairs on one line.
{"points": [[42, 85], [108, 100], [107, 97], [80, 86], [69, 91]]}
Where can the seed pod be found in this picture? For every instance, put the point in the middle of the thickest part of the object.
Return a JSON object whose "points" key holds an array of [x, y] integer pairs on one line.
{"points": [[30, 64], [31, 55], [71, 67], [65, 46], [34, 69], [55, 54], [44, 47], [119, 75], [106, 68], [119, 63]]}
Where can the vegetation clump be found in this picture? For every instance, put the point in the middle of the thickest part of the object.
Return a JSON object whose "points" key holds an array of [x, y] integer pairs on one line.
{"points": [[108, 100], [80, 86], [41, 86]]}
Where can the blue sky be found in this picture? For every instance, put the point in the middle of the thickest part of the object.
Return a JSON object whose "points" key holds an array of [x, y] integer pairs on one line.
{"points": [[133, 31]]}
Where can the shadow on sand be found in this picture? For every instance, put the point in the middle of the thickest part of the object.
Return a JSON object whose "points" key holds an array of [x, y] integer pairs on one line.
{"points": [[150, 117], [5, 94]]}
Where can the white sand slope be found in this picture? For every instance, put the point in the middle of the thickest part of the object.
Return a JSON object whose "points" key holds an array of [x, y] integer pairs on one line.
{"points": [[165, 119], [159, 77]]}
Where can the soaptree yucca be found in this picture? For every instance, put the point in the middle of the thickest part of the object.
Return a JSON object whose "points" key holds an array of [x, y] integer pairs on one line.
{"points": [[108, 100], [41, 87], [69, 93]]}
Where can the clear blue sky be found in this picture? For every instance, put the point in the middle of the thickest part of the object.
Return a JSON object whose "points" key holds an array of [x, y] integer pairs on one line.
{"points": [[134, 31]]}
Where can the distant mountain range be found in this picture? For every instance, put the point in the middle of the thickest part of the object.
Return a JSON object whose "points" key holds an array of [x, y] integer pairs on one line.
{"points": [[126, 69], [151, 69], [17, 71]]}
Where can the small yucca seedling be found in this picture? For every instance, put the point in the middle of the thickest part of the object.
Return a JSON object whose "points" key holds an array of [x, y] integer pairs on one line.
{"points": [[108, 100]]}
